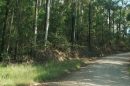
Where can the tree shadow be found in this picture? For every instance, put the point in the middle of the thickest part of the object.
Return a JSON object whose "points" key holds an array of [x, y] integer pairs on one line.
{"points": [[22, 84]]}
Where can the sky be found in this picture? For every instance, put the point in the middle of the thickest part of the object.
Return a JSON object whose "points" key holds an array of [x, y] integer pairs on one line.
{"points": [[128, 2]]}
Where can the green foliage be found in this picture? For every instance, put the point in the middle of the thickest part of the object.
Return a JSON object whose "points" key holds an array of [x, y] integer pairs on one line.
{"points": [[57, 39], [59, 42], [6, 57], [108, 23]]}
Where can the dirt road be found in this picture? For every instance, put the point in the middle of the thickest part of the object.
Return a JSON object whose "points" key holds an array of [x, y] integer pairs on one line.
{"points": [[108, 71]]}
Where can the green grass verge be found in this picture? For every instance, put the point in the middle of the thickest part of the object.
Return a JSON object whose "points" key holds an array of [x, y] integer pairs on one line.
{"points": [[23, 74]]}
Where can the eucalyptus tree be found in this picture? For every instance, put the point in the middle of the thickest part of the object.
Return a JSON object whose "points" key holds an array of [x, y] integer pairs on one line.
{"points": [[74, 21], [90, 23], [48, 5], [36, 22], [26, 24]]}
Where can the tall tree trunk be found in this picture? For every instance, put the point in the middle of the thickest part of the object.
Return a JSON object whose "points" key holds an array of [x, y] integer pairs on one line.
{"points": [[78, 19], [113, 22], [47, 21], [102, 35], [90, 25], [73, 29], [4, 29], [119, 27], [10, 28], [120, 20], [18, 30], [74, 22], [36, 22], [109, 18]]}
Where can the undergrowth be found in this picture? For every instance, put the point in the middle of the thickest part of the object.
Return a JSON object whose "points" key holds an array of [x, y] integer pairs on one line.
{"points": [[25, 74]]}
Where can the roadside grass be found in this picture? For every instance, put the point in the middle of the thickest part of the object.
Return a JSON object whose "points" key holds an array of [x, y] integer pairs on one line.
{"points": [[25, 74]]}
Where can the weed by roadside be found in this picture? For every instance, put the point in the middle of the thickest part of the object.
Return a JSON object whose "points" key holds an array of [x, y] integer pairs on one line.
{"points": [[25, 74]]}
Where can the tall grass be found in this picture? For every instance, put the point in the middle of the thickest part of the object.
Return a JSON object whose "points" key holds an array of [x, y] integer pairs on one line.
{"points": [[25, 74]]}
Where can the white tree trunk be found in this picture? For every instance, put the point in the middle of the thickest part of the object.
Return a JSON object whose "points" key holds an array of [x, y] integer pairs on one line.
{"points": [[36, 21], [47, 21]]}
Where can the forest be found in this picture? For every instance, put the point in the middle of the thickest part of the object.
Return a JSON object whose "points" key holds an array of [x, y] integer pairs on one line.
{"points": [[30, 26], [36, 31]]}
